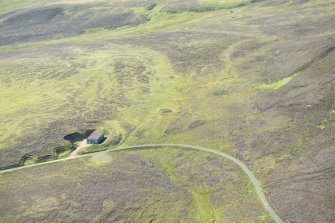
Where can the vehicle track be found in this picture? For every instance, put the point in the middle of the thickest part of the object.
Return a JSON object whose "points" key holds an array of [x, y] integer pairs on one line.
{"points": [[250, 175]]}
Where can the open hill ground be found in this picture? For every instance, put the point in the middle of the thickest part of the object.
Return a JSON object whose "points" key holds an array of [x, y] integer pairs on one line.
{"points": [[255, 79]]}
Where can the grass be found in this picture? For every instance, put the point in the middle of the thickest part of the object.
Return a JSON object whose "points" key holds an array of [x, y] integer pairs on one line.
{"points": [[157, 20], [204, 207], [101, 159], [222, 4], [29, 160], [59, 152], [322, 126], [277, 84], [89, 85], [325, 120]]}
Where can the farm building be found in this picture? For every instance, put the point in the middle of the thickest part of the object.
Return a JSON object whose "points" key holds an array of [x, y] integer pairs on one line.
{"points": [[95, 138]]}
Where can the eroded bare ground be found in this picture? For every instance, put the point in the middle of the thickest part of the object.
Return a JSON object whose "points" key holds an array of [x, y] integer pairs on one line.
{"points": [[229, 66]]}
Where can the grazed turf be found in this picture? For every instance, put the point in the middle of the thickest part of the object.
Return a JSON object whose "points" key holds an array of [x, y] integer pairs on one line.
{"points": [[93, 87]]}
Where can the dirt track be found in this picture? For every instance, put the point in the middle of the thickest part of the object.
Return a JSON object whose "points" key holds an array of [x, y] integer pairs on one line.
{"points": [[83, 144]]}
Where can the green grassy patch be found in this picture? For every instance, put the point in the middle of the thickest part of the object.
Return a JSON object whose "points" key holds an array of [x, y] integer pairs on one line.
{"points": [[222, 4], [58, 153], [322, 126], [277, 84], [29, 160], [204, 207], [63, 151]]}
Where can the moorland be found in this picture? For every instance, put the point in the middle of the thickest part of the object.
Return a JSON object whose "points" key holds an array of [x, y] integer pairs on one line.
{"points": [[253, 79]]}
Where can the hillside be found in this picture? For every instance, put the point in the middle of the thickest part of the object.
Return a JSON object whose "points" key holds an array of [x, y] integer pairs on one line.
{"points": [[254, 79]]}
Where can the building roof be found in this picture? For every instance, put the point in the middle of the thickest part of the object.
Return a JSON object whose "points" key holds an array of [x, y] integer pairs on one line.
{"points": [[95, 135]]}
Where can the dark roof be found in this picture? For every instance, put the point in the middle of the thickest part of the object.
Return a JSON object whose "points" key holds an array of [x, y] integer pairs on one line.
{"points": [[95, 135]]}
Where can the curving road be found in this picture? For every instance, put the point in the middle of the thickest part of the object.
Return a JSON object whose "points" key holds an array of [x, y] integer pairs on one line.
{"points": [[251, 176]]}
